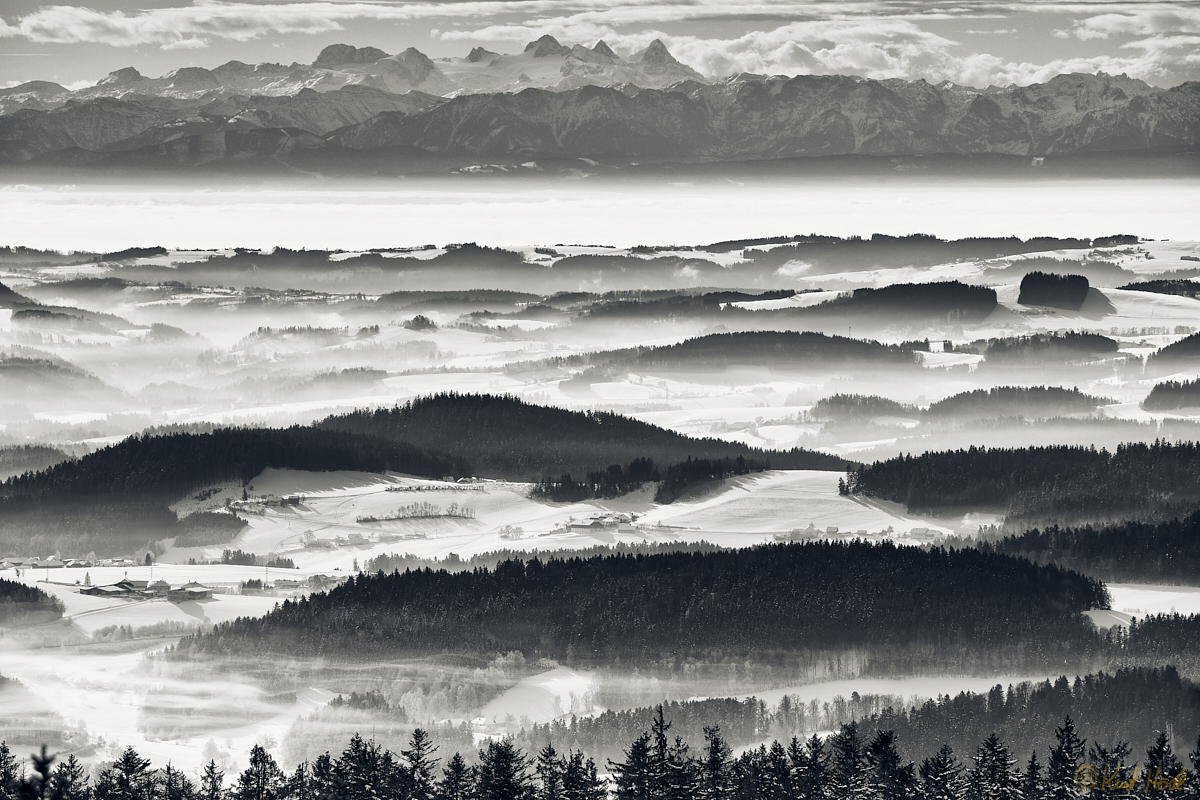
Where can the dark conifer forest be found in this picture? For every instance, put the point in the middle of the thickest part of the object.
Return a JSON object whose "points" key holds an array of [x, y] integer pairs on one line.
{"points": [[904, 605], [1056, 291], [1172, 356], [117, 498], [872, 758], [1151, 552], [1011, 401], [947, 300], [1128, 704], [1169, 395], [505, 437], [21, 604], [777, 350], [1045, 347], [1064, 483]]}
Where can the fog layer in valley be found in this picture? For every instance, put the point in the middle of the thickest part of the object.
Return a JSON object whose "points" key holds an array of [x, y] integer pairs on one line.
{"points": [[652, 301], [680, 209]]}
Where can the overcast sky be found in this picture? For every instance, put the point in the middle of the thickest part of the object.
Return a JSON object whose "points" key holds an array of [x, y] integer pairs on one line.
{"points": [[970, 42]]}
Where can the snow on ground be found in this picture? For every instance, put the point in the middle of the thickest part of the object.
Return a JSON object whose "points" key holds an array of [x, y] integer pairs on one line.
{"points": [[1140, 599], [932, 360], [735, 512], [1107, 619], [1130, 309], [782, 500], [545, 697], [802, 300], [87, 614]]}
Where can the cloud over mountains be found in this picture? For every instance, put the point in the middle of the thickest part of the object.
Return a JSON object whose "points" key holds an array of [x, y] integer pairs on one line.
{"points": [[971, 43]]}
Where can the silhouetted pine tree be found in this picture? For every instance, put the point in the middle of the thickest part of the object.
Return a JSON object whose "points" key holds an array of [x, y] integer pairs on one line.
{"points": [[71, 780], [457, 782], [262, 779], [776, 782], [421, 764], [324, 775], [9, 774], [889, 779], [549, 768], [127, 778], [716, 778], [176, 785], [634, 776], [1065, 759], [941, 776], [503, 773], [993, 777], [581, 780], [1112, 766], [848, 766], [365, 771], [811, 768], [300, 784], [1033, 785], [212, 782], [1162, 768]]}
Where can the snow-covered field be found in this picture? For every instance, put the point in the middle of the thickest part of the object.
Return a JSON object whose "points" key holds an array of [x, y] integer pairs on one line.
{"points": [[736, 512], [1140, 599]]}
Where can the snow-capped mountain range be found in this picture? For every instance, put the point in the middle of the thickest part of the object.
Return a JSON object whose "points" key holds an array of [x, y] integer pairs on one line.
{"points": [[552, 101]]}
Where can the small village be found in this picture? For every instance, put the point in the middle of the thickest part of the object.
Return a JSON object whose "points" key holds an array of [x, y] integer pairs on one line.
{"points": [[915, 536], [62, 571], [145, 590]]}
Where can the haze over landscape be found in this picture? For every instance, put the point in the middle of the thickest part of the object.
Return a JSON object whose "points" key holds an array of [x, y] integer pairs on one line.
{"points": [[820, 384]]}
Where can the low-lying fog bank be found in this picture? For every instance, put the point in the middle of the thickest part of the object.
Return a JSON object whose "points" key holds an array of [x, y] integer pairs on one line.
{"points": [[516, 212]]}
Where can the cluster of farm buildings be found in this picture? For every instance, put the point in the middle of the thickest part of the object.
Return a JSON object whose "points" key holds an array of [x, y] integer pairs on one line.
{"points": [[148, 590], [58, 562], [833, 533]]}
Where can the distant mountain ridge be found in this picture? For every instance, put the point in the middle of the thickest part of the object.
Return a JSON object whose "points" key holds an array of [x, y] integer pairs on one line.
{"points": [[354, 106], [544, 63]]}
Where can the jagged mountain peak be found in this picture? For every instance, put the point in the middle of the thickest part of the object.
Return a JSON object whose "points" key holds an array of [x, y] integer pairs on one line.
{"points": [[120, 77], [478, 54], [192, 78], [603, 49], [657, 53], [545, 46], [412, 55], [338, 54]]}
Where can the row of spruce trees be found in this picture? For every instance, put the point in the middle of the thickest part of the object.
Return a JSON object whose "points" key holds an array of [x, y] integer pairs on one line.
{"points": [[850, 765]]}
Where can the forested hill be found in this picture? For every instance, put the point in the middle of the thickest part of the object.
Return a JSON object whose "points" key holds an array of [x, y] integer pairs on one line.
{"points": [[780, 349], [1028, 401], [21, 604], [1129, 705], [717, 352], [505, 437], [117, 499], [763, 602], [1163, 552], [168, 466], [942, 300], [1065, 483]]}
